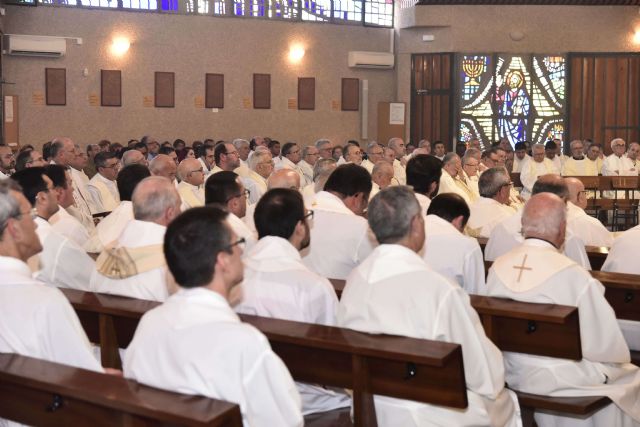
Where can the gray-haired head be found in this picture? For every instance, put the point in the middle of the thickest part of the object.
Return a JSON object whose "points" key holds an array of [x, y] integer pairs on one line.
{"points": [[551, 183], [152, 197], [321, 171], [390, 213], [9, 205], [321, 143], [260, 154], [545, 217], [371, 146], [492, 180], [449, 157], [131, 157], [239, 143]]}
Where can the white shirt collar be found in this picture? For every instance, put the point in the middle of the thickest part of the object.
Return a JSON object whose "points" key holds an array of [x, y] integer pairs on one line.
{"points": [[329, 202]]}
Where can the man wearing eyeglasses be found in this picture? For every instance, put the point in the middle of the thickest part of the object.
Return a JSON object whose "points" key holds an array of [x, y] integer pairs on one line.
{"points": [[29, 159], [7, 161], [591, 230], [103, 187], [375, 153], [62, 262], [617, 164], [291, 157], [309, 158], [492, 207], [226, 158], [134, 265], [277, 283], [35, 320], [578, 164], [226, 189], [325, 148], [398, 147], [352, 154], [261, 166], [191, 175], [205, 349]]}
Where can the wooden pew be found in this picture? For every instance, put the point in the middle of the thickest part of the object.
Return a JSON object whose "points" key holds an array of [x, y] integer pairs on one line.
{"points": [[540, 329], [400, 367], [38, 392], [597, 254]]}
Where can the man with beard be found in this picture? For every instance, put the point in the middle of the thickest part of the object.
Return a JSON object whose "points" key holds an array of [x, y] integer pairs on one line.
{"points": [[277, 283], [7, 161]]}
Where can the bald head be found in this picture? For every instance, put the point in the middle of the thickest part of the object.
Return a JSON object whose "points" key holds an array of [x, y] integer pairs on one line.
{"points": [[163, 165], [551, 183], [577, 195], [190, 171], [284, 178], [545, 217], [133, 157], [156, 199]]}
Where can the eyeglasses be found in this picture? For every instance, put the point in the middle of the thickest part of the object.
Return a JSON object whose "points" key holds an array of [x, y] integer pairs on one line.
{"points": [[113, 166], [33, 213], [245, 193], [240, 243], [201, 170], [270, 162], [508, 184], [308, 215], [231, 152]]}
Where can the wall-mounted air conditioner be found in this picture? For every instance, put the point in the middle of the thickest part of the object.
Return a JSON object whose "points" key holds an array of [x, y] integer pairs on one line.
{"points": [[50, 47], [379, 60]]}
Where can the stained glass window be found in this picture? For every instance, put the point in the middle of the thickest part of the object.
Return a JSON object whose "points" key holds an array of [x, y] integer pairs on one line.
{"points": [[520, 98], [378, 12], [316, 10], [347, 10]]}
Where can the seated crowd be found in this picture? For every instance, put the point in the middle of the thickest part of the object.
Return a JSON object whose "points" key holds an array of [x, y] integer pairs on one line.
{"points": [[257, 227]]}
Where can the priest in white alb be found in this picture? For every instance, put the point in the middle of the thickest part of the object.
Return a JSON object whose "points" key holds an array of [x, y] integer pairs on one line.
{"points": [[195, 344], [61, 263], [340, 236], [578, 164], [520, 156], [423, 175], [588, 228], [260, 167], [277, 284], [134, 264], [536, 272], [103, 187], [395, 292], [190, 188], [447, 250], [623, 258], [450, 181], [538, 165], [492, 207]]}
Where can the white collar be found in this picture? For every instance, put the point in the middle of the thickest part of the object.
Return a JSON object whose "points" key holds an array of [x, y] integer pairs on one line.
{"points": [[326, 201], [439, 226], [15, 271], [272, 254], [389, 260]]}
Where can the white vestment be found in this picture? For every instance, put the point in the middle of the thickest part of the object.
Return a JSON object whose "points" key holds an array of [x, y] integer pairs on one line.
{"points": [[623, 258], [148, 285], [67, 225], [399, 172], [424, 202], [448, 185], [307, 172], [3, 175], [530, 172], [507, 235], [618, 166], [395, 292], [285, 163], [454, 255], [81, 195], [604, 368], [112, 225], [277, 284], [104, 193], [486, 213], [242, 231], [368, 165], [61, 263], [256, 185], [588, 228], [340, 239], [195, 344], [190, 195], [243, 169], [37, 320], [517, 163], [582, 167]]}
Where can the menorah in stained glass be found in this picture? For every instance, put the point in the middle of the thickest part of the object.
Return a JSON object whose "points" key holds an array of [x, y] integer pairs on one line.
{"points": [[473, 67]]}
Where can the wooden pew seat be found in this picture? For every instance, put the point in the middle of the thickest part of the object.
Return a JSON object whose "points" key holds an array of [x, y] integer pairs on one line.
{"points": [[38, 392], [405, 368]]}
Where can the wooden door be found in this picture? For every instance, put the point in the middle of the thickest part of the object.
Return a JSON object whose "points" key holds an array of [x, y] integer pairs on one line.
{"points": [[432, 98], [604, 97]]}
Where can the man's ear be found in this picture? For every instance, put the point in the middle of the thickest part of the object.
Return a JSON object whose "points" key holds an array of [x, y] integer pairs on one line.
{"points": [[457, 223]]}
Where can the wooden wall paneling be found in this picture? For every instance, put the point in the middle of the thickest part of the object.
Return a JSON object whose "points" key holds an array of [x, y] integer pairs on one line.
{"points": [[164, 94], [306, 93], [56, 86], [622, 96], [599, 99], [214, 91], [587, 96], [634, 98], [262, 91], [610, 101], [111, 88], [575, 94], [350, 94]]}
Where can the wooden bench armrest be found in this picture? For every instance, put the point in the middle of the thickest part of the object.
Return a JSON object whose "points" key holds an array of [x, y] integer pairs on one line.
{"points": [[580, 405]]}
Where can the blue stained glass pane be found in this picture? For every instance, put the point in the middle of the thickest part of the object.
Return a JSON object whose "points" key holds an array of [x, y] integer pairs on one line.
{"points": [[169, 5]]}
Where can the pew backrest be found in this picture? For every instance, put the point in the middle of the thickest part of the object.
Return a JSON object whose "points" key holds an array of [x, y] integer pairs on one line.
{"points": [[38, 392]]}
